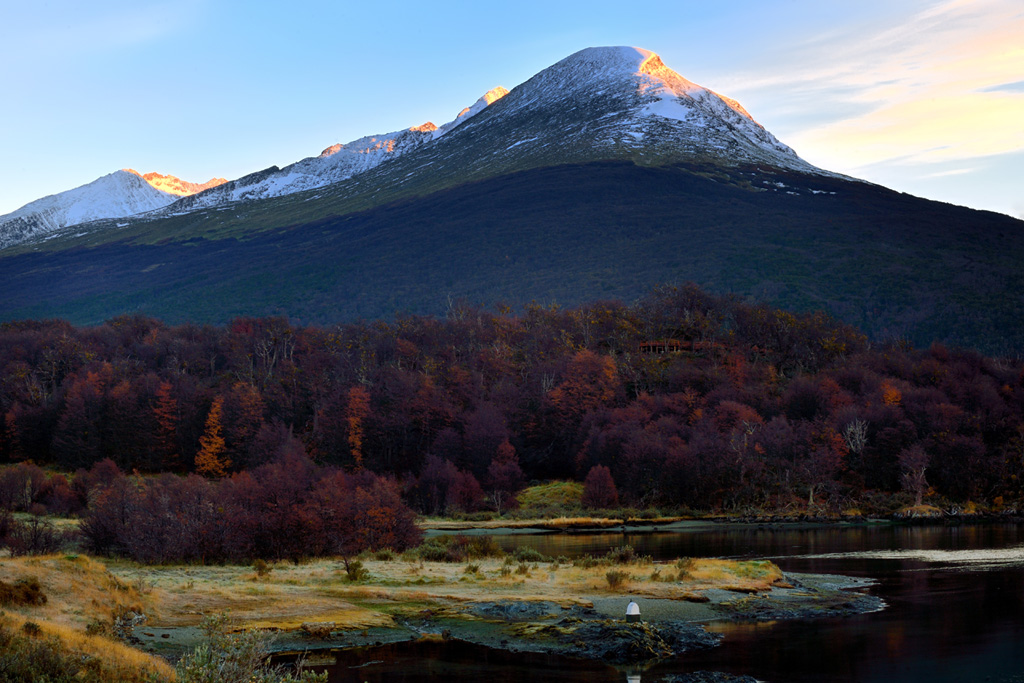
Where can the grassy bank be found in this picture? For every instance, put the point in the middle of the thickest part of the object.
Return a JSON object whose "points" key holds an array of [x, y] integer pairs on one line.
{"points": [[72, 613], [84, 595]]}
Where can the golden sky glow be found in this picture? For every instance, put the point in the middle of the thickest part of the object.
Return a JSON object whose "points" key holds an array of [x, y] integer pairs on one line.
{"points": [[932, 91]]}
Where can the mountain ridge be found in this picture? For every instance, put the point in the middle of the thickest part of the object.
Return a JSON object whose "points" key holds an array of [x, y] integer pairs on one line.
{"points": [[175, 185], [648, 114]]}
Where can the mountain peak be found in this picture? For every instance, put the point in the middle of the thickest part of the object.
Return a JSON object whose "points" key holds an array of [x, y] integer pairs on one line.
{"points": [[485, 100], [605, 62], [174, 185], [643, 67], [630, 104], [494, 94], [623, 56], [116, 195]]}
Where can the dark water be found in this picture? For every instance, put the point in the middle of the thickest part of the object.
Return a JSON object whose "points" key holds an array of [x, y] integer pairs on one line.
{"points": [[954, 594]]}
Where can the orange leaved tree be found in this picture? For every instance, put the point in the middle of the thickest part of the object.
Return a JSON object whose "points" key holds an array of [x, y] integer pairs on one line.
{"points": [[211, 460]]}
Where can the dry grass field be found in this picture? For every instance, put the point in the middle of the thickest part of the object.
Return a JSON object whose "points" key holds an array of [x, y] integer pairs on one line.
{"points": [[82, 598], [84, 595], [83, 591]]}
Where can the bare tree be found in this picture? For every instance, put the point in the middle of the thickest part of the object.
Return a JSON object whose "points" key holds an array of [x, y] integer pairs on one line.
{"points": [[856, 436], [914, 461]]}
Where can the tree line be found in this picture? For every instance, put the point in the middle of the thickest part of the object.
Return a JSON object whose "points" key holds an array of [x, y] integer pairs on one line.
{"points": [[748, 407]]}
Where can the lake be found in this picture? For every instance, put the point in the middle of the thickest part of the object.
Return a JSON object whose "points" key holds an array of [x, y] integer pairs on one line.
{"points": [[954, 595]]}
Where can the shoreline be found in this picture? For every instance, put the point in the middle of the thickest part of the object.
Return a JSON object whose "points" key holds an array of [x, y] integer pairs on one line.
{"points": [[434, 526], [550, 606], [539, 612], [596, 628]]}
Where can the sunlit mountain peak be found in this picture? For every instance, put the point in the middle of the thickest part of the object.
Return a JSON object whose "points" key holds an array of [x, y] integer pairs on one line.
{"points": [[174, 185]]}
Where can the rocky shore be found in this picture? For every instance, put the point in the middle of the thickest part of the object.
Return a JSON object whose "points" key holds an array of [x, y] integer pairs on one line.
{"points": [[596, 628]]}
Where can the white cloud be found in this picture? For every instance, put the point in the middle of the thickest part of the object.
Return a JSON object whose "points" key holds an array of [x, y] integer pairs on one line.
{"points": [[952, 172], [931, 88]]}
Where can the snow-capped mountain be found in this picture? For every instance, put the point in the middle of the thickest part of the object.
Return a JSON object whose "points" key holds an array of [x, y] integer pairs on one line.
{"points": [[599, 104], [642, 104], [336, 163], [117, 195], [600, 177]]}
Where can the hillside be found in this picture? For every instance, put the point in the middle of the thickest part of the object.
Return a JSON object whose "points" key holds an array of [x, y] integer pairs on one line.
{"points": [[894, 265]]}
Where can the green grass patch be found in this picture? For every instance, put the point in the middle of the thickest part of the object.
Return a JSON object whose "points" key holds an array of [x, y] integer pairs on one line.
{"points": [[555, 495]]}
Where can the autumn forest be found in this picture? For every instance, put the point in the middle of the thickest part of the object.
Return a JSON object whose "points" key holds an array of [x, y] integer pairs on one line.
{"points": [[267, 439]]}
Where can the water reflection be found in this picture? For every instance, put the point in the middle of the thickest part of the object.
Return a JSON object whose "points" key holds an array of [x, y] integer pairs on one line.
{"points": [[955, 596], [437, 660]]}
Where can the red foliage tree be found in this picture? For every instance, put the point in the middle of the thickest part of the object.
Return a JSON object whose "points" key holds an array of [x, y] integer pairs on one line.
{"points": [[465, 493], [590, 381], [599, 492], [242, 419], [77, 440], [356, 413], [165, 411], [349, 514], [505, 477]]}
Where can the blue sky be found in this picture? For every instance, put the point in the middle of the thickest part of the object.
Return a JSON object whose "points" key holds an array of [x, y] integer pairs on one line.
{"points": [[924, 97]]}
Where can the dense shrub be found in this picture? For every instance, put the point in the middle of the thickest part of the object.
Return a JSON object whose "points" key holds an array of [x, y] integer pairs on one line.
{"points": [[289, 509], [525, 554], [616, 578], [34, 536], [26, 657], [22, 592], [225, 657], [625, 554], [458, 548]]}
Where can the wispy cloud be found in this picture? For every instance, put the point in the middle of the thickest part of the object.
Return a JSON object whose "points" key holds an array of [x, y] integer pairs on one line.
{"points": [[951, 172], [940, 85], [1007, 87], [56, 31]]}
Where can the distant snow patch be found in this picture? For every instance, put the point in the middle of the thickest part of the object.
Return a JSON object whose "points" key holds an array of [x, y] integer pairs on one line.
{"points": [[521, 142]]}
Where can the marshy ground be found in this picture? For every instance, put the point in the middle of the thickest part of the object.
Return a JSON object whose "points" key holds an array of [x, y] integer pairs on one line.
{"points": [[528, 604]]}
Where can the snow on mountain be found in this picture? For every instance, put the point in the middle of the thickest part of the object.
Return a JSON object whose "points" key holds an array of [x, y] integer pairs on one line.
{"points": [[116, 195], [623, 102], [175, 185], [336, 163], [600, 103], [489, 98]]}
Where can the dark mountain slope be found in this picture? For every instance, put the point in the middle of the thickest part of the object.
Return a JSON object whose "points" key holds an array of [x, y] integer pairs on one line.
{"points": [[893, 264]]}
